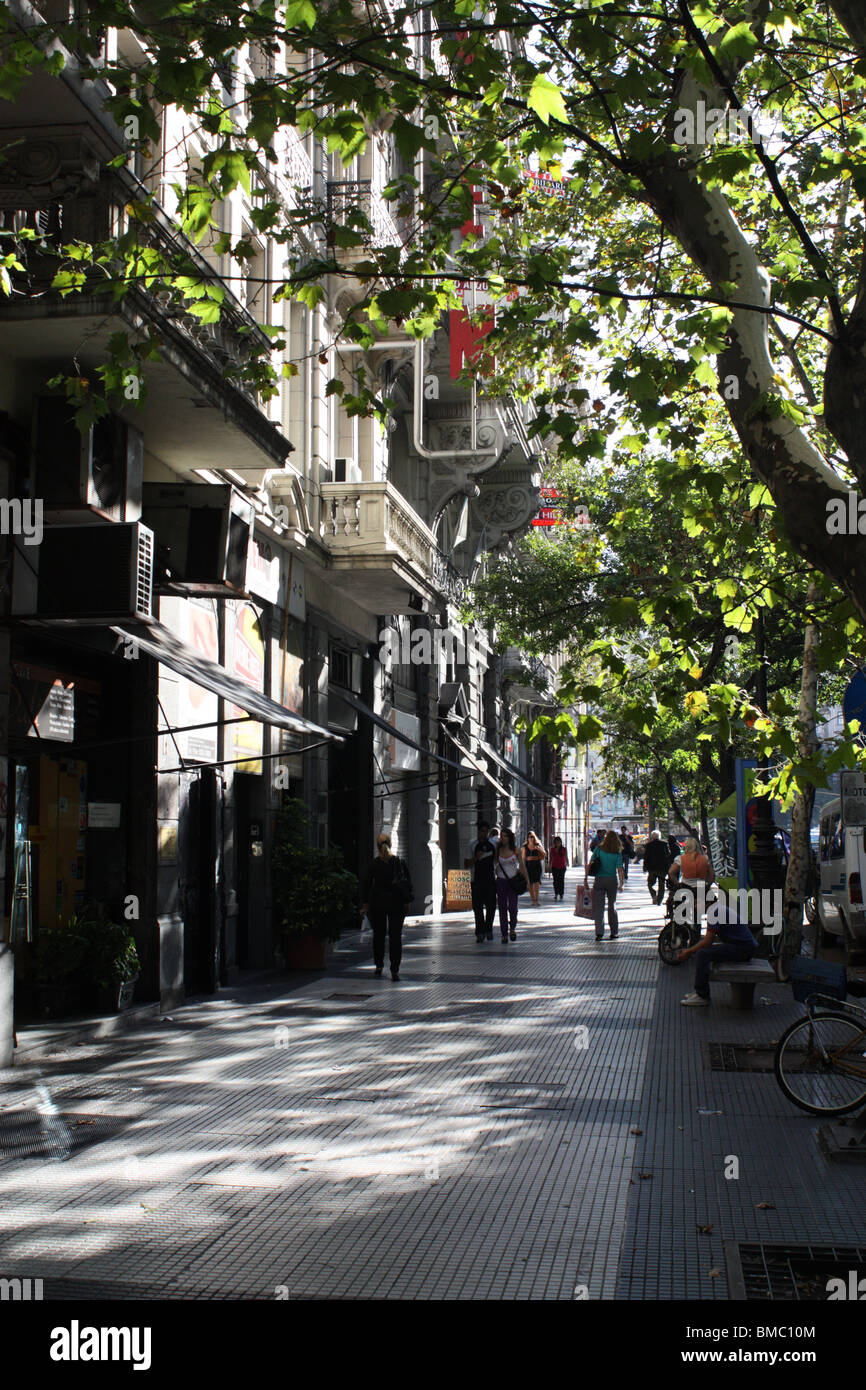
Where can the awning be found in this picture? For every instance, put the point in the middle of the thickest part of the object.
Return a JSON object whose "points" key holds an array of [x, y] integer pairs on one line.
{"points": [[357, 704], [474, 762], [160, 643], [726, 808], [513, 771]]}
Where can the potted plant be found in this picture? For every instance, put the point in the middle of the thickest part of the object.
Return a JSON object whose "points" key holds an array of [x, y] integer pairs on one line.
{"points": [[111, 961], [52, 970], [314, 894]]}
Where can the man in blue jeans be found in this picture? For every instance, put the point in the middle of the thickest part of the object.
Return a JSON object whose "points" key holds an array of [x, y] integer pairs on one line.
{"points": [[727, 938]]}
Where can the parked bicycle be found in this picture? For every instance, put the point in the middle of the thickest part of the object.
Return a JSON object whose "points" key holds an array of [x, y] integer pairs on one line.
{"points": [[820, 1060], [676, 936]]}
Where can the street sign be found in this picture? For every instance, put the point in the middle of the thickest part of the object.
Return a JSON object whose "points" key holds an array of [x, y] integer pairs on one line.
{"points": [[853, 788]]}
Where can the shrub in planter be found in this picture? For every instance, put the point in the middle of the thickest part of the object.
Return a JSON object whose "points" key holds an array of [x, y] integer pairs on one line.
{"points": [[111, 961], [314, 894]]}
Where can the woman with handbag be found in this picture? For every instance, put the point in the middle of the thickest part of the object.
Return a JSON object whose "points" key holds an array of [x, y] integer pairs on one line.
{"points": [[607, 874], [510, 881], [387, 892]]}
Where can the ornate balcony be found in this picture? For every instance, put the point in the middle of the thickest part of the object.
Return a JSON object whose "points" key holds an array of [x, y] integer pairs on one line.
{"points": [[381, 546]]}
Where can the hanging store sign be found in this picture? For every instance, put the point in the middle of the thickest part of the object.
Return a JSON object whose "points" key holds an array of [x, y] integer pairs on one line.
{"points": [[247, 662], [263, 571]]}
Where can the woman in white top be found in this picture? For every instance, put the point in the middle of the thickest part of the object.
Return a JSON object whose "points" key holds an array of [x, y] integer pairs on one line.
{"points": [[509, 863]]}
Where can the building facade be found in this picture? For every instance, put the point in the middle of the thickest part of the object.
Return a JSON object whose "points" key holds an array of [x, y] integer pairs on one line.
{"points": [[230, 601]]}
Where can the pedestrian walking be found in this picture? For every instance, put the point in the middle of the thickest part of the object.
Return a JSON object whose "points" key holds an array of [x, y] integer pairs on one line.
{"points": [[534, 855], [558, 866], [482, 856], [595, 842], [610, 873], [656, 862], [627, 850], [509, 863], [726, 938], [674, 846], [387, 892]]}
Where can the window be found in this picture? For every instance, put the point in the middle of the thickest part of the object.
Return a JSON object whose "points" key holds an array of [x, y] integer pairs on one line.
{"points": [[340, 672], [831, 838]]}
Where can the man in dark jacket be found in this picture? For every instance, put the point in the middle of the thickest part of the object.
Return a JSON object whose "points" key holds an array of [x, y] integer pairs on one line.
{"points": [[627, 849], [656, 862], [482, 854]]}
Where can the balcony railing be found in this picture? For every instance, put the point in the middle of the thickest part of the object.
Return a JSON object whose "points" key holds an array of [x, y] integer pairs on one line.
{"points": [[373, 518], [447, 578], [349, 196]]}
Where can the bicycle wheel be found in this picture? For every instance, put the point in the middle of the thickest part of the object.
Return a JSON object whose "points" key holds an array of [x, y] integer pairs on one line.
{"points": [[672, 939], [820, 1064]]}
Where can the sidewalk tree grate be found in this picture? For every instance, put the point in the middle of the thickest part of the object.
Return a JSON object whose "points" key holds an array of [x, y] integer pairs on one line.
{"points": [[28, 1134], [789, 1273], [724, 1056]]}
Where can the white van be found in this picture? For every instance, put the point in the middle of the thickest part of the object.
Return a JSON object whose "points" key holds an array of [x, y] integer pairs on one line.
{"points": [[842, 865]]}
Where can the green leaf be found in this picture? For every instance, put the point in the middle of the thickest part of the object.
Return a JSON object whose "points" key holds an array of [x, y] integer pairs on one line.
{"points": [[546, 100], [738, 42], [300, 12]]}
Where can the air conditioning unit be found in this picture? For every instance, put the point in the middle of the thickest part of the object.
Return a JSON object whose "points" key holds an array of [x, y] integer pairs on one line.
{"points": [[206, 530], [85, 477], [346, 471], [85, 577]]}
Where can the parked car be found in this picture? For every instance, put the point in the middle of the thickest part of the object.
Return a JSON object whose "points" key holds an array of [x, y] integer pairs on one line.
{"points": [[842, 870]]}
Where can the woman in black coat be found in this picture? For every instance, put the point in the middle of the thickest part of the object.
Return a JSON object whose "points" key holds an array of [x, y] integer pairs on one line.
{"points": [[387, 892]]}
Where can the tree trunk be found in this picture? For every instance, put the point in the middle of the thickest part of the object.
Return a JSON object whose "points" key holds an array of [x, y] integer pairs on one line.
{"points": [[679, 813]]}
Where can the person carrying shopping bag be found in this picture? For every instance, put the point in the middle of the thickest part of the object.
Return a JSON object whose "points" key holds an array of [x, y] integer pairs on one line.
{"points": [[610, 873]]}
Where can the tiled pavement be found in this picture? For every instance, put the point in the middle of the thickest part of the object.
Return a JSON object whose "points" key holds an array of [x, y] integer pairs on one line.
{"points": [[465, 1133]]}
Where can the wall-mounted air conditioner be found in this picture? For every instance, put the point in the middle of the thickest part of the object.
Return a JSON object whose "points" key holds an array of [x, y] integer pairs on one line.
{"points": [[85, 577], [85, 476], [206, 530], [346, 471]]}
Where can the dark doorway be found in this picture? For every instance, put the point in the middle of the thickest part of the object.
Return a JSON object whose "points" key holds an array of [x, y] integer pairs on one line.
{"points": [[199, 876]]}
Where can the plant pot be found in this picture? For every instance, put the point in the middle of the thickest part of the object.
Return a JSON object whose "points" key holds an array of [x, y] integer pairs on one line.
{"points": [[114, 999], [305, 951]]}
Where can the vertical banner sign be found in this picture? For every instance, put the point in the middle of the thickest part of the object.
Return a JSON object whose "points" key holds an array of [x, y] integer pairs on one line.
{"points": [[744, 774], [465, 337]]}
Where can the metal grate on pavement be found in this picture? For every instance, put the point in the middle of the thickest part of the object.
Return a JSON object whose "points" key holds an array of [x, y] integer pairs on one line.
{"points": [[789, 1273]]}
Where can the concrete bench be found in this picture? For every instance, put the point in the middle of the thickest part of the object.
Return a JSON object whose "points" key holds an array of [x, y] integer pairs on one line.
{"points": [[742, 976]]}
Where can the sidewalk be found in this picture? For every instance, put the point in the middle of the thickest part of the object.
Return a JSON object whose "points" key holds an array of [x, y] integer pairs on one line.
{"points": [[464, 1133]]}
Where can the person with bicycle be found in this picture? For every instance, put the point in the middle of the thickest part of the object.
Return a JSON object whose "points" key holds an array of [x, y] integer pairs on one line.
{"points": [[692, 870], [726, 938]]}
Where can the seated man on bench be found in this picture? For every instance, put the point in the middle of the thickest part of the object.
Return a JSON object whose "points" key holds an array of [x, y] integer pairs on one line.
{"points": [[727, 938]]}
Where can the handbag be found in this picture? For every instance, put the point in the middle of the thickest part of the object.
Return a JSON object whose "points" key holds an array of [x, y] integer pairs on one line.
{"points": [[519, 882], [402, 884], [594, 866]]}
